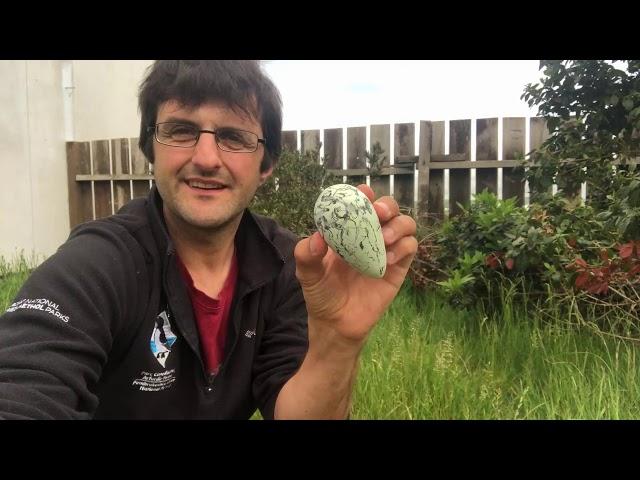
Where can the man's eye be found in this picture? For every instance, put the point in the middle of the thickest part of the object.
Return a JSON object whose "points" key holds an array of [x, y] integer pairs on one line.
{"points": [[181, 130], [231, 135]]}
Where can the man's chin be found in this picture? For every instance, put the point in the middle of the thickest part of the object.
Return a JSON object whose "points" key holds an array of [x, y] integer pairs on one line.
{"points": [[210, 223]]}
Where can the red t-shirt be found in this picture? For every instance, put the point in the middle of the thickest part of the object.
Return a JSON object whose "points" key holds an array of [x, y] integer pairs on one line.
{"points": [[212, 315]]}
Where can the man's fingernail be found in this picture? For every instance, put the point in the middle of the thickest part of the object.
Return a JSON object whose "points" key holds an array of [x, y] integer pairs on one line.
{"points": [[312, 246]]}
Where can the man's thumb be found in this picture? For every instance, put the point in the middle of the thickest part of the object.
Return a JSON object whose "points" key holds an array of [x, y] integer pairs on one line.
{"points": [[309, 253]]}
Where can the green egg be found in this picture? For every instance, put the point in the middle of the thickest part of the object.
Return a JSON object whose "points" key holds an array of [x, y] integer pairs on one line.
{"points": [[349, 224]]}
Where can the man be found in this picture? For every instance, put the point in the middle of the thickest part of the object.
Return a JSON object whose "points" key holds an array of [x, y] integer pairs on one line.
{"points": [[184, 304]]}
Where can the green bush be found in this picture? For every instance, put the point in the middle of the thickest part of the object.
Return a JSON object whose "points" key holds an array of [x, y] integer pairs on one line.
{"points": [[561, 254], [494, 242], [289, 195]]}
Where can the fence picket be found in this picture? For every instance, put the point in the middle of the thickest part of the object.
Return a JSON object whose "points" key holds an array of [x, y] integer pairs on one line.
{"points": [[333, 148], [80, 204], [101, 190], [120, 165], [356, 147], [487, 149], [404, 144], [459, 179], [310, 140], [381, 134], [513, 145], [436, 177]]}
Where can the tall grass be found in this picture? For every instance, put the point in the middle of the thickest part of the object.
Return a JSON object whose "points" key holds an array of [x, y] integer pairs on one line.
{"points": [[426, 360]]}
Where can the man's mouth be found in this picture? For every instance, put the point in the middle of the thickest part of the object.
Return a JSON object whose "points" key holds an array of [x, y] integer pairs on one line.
{"points": [[205, 185]]}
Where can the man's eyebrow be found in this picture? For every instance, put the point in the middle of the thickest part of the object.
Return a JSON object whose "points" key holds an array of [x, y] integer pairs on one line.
{"points": [[184, 121], [179, 120]]}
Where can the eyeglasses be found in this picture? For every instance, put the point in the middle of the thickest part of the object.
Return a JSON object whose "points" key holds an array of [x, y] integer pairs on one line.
{"points": [[185, 135]]}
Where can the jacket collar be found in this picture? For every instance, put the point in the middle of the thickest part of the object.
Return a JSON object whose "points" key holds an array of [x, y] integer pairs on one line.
{"points": [[259, 260]]}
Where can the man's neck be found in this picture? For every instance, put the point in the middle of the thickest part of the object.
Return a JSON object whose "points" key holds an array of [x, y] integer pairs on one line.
{"points": [[206, 253]]}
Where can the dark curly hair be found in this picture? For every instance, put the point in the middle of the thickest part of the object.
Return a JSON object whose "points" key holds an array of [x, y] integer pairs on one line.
{"points": [[238, 84]]}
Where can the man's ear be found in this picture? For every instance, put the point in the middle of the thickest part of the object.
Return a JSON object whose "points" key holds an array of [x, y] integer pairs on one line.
{"points": [[265, 175]]}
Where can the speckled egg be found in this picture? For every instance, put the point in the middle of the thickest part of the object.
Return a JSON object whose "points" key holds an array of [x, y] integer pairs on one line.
{"points": [[349, 224]]}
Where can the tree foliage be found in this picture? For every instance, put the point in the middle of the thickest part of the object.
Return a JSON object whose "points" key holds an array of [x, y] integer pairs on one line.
{"points": [[592, 109]]}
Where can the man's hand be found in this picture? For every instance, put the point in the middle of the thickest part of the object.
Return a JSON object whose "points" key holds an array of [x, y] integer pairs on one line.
{"points": [[343, 306], [340, 299]]}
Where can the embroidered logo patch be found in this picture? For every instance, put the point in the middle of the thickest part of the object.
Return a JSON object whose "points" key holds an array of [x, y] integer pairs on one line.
{"points": [[162, 338]]}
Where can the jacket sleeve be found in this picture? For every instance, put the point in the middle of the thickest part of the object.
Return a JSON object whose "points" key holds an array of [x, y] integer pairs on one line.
{"points": [[56, 336], [284, 341]]}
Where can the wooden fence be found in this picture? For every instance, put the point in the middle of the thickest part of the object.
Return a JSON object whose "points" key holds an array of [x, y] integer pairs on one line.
{"points": [[105, 174]]}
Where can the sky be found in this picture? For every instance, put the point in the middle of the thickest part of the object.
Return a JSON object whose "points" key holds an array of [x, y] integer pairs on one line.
{"points": [[320, 94]]}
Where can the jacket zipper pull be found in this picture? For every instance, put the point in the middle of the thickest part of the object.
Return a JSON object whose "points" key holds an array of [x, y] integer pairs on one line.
{"points": [[211, 377]]}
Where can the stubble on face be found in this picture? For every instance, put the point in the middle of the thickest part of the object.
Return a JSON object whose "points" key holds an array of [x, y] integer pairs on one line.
{"points": [[206, 214]]}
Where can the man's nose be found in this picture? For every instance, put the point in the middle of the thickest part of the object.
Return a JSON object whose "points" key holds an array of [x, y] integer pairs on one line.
{"points": [[207, 154]]}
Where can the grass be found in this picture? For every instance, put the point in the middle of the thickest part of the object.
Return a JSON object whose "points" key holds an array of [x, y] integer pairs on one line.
{"points": [[13, 274], [426, 360]]}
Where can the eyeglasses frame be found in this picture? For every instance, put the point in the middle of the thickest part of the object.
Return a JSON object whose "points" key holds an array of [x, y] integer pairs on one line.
{"points": [[154, 128]]}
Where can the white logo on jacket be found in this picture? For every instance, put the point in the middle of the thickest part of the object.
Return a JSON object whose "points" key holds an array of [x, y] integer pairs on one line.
{"points": [[162, 338]]}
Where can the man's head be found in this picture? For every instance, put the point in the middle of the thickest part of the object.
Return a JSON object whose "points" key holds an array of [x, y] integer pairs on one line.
{"points": [[212, 130], [237, 84]]}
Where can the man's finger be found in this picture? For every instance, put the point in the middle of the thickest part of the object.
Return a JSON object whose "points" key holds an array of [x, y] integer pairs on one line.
{"points": [[367, 190], [402, 251], [398, 227], [386, 208]]}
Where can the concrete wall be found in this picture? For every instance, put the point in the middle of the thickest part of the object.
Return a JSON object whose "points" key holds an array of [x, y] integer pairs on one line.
{"points": [[33, 197], [37, 115], [106, 98]]}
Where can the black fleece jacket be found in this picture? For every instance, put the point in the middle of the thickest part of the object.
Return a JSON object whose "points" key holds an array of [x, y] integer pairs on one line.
{"points": [[104, 328]]}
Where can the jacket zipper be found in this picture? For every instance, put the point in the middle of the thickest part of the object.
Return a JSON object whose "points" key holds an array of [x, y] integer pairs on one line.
{"points": [[210, 379]]}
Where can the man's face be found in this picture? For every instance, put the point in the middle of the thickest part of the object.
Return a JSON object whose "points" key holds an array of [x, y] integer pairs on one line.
{"points": [[184, 176]]}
